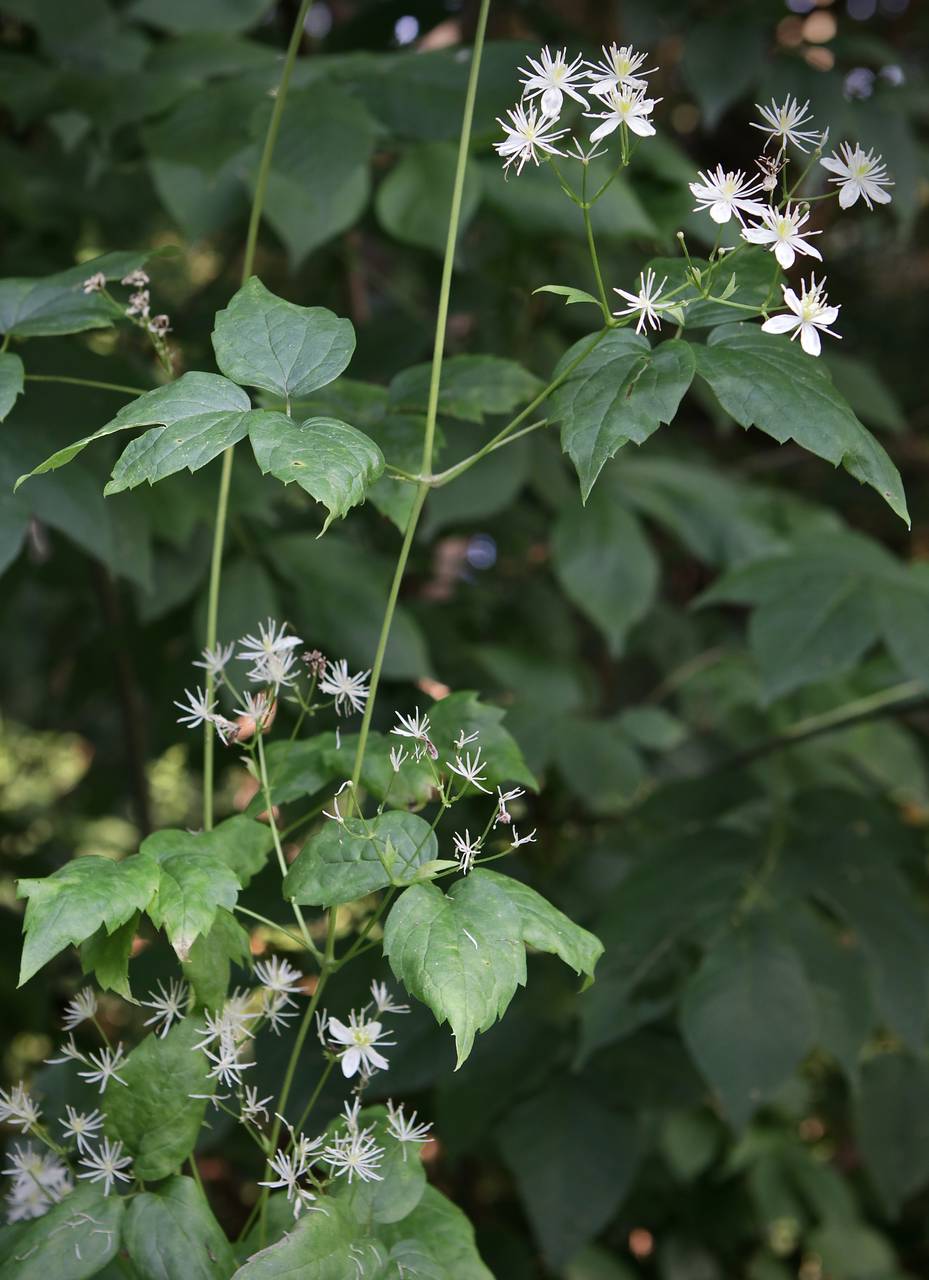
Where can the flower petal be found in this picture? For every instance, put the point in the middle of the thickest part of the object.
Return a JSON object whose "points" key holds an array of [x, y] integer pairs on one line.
{"points": [[779, 324], [721, 211], [809, 339], [784, 254]]}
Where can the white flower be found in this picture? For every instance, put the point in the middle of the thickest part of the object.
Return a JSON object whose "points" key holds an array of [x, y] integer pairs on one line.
{"points": [[137, 279], [69, 1053], [518, 839], [645, 303], [783, 122], [106, 1165], [81, 1009], [170, 1005], [503, 799], [213, 661], [197, 710], [271, 639], [355, 1154], [94, 283], [527, 135], [617, 69], [626, 106], [781, 232], [811, 313], [18, 1109], [39, 1181], [281, 977], [397, 756], [351, 692], [415, 726], [227, 1067], [290, 1167], [360, 1038], [105, 1065], [470, 769], [81, 1125], [403, 1129], [726, 193], [464, 739], [858, 173], [467, 850], [383, 1000], [552, 78], [253, 1106], [276, 669], [231, 1023], [278, 1009], [255, 707]]}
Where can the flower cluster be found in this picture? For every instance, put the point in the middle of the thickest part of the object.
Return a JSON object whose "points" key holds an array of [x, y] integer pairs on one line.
{"points": [[39, 1180], [274, 665], [138, 309], [616, 87]]}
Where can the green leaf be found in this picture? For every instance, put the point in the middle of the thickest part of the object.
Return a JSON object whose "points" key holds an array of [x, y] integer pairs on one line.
{"points": [[553, 1128], [345, 861], [73, 1241], [178, 17], [333, 462], [262, 341], [240, 842], [412, 787], [752, 981], [600, 763], [414, 200], [153, 1113], [171, 1234], [471, 387], [546, 928], [445, 1232], [622, 391], [315, 1248], [191, 886], [70, 905], [57, 305], [461, 953], [319, 182], [107, 956], [11, 381], [763, 380], [197, 404], [605, 564], [892, 1121], [403, 1178], [815, 614], [569, 293], [462, 712], [869, 396], [207, 966]]}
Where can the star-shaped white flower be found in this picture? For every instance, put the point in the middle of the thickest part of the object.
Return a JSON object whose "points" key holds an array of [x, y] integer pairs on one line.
{"points": [[197, 710], [107, 1165], [645, 304], [780, 231], [783, 123], [170, 1005], [81, 1009], [726, 193], [360, 1038], [82, 1126], [619, 67], [626, 106], [527, 135], [858, 173], [350, 692], [810, 313], [551, 77], [405, 1129]]}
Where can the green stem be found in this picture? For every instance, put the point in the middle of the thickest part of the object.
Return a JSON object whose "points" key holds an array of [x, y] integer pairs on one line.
{"points": [[225, 478], [314, 1096], [435, 378], [271, 924], [191, 1160], [87, 382], [592, 246]]}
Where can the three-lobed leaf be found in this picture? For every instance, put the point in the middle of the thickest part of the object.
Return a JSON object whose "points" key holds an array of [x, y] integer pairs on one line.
{"points": [[70, 905], [191, 887], [263, 341]]}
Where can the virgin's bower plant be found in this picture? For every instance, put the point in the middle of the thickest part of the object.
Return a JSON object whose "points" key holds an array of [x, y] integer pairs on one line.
{"points": [[750, 1001]]}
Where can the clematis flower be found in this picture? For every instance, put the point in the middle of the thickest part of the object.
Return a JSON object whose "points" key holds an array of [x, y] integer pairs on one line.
{"points": [[858, 173], [627, 106], [780, 231], [783, 123], [810, 313], [726, 193], [645, 303], [527, 136], [550, 78]]}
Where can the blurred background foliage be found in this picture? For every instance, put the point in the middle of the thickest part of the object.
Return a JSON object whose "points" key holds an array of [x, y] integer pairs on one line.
{"points": [[721, 672]]}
